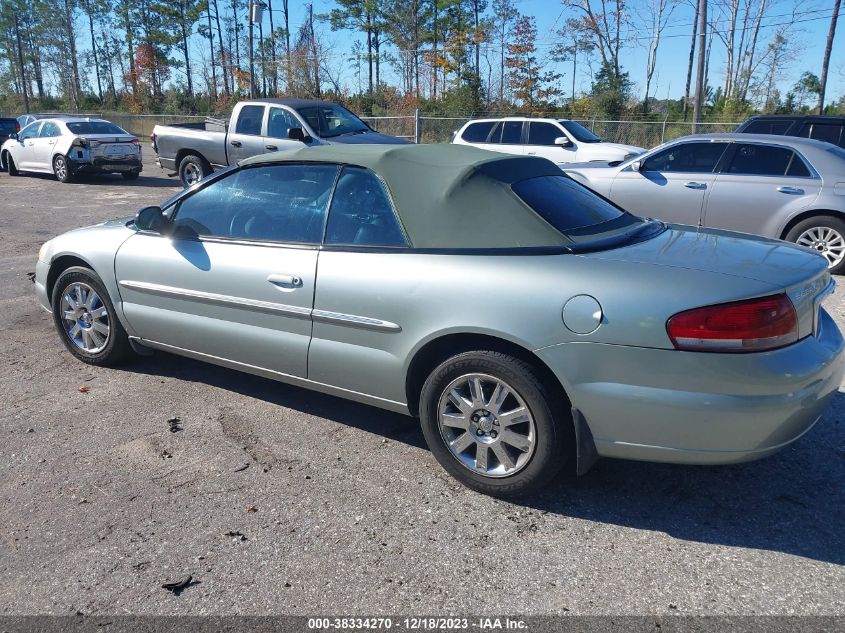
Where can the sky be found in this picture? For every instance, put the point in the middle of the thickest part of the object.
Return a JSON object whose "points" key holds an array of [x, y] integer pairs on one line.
{"points": [[810, 30]]}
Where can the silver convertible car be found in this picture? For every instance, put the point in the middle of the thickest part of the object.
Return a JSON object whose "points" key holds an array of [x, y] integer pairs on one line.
{"points": [[527, 321]]}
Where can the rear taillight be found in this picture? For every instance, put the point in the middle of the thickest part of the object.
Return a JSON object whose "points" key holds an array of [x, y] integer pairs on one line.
{"points": [[136, 141], [741, 326], [17, 127], [153, 138]]}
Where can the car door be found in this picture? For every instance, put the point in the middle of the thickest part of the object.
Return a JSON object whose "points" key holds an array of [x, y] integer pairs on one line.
{"points": [[279, 122], [357, 324], [759, 187], [247, 139], [234, 277], [541, 142], [23, 152], [671, 184], [43, 145]]}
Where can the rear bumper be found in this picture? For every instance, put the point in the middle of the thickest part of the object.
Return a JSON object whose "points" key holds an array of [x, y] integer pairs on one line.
{"points": [[41, 270], [698, 408], [168, 164], [105, 165]]}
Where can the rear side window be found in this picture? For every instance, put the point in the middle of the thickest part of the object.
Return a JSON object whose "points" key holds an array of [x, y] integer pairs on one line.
{"points": [[692, 158], [768, 127], [477, 132], [249, 120], [49, 130], [276, 203], [512, 133], [564, 203], [760, 160], [361, 213], [829, 132], [543, 133]]}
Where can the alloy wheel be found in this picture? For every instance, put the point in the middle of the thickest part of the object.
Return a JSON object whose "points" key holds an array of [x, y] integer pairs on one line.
{"points": [[191, 174], [486, 425], [85, 317], [60, 167], [826, 241]]}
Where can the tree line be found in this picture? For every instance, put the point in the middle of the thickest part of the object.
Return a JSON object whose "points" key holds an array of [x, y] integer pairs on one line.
{"points": [[444, 56]]}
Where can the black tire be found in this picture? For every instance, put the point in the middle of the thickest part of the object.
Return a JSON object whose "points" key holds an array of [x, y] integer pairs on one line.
{"points": [[116, 348], [192, 166], [130, 175], [10, 166], [61, 168], [823, 222], [552, 424]]}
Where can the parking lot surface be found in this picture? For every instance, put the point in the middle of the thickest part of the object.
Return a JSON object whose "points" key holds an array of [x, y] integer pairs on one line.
{"points": [[278, 500]]}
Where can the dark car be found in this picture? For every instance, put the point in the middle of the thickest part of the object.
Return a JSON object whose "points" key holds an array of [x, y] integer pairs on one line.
{"points": [[8, 126], [821, 128]]}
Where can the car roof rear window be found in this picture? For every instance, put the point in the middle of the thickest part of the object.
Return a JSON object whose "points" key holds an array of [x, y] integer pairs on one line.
{"points": [[94, 127]]}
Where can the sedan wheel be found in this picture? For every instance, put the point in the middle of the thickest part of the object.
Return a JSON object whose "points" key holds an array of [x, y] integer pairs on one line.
{"points": [[486, 425], [494, 423], [826, 241], [824, 234], [61, 169], [85, 318]]}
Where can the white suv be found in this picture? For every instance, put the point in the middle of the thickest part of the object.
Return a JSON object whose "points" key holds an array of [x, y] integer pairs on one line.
{"points": [[559, 140]]}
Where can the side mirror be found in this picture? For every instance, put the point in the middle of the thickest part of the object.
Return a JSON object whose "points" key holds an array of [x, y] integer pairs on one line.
{"points": [[150, 219], [298, 134], [636, 165], [563, 141]]}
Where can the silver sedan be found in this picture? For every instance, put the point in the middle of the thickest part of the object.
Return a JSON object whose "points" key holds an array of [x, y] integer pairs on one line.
{"points": [[777, 186], [527, 322]]}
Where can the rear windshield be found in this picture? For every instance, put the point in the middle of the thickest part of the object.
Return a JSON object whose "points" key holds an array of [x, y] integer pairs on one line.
{"points": [[571, 208], [95, 127], [8, 126]]}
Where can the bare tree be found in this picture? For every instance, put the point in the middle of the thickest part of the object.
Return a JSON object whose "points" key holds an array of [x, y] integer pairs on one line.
{"points": [[603, 22], [691, 56], [657, 14], [826, 63]]}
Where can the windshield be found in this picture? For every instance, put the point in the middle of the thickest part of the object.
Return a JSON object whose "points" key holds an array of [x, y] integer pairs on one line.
{"points": [[574, 210], [332, 120], [95, 127], [579, 132]]}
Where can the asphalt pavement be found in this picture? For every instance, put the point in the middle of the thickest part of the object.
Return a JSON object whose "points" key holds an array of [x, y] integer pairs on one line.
{"points": [[277, 500]]}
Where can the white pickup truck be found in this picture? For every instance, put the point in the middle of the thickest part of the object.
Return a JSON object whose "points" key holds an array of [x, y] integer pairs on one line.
{"points": [[194, 150]]}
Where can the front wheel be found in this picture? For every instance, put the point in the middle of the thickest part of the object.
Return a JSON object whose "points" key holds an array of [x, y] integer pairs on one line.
{"points": [[85, 318], [824, 234], [10, 165], [492, 424], [61, 168]]}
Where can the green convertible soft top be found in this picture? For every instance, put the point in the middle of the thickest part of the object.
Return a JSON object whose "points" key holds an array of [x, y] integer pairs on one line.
{"points": [[448, 196]]}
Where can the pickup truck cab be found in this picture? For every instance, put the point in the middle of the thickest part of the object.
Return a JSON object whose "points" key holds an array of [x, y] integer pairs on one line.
{"points": [[194, 150]]}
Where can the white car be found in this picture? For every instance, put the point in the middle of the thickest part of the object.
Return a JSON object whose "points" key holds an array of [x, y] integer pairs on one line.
{"points": [[559, 140], [67, 146]]}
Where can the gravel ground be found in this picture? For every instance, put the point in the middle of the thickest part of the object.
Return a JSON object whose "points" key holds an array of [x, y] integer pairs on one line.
{"points": [[341, 509]]}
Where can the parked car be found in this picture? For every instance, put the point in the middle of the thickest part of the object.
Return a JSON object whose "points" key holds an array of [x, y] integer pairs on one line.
{"points": [[526, 320], [194, 150], [821, 128], [8, 128], [559, 140], [775, 186], [70, 146]]}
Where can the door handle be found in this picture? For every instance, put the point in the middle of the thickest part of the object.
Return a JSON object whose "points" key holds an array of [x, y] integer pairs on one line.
{"points": [[272, 148], [284, 280], [695, 185], [235, 143], [792, 190], [532, 153]]}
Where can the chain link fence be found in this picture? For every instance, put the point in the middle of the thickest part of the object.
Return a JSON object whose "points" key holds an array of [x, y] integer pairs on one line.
{"points": [[423, 128]]}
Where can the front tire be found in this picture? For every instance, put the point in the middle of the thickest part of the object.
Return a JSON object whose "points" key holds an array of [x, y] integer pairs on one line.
{"points": [[10, 165], [192, 169], [130, 175], [492, 424], [61, 168], [86, 320], [824, 234]]}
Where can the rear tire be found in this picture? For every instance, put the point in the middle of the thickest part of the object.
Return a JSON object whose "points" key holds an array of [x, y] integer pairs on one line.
{"points": [[497, 446], [61, 168], [130, 175], [192, 169], [10, 165], [824, 234], [85, 318]]}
